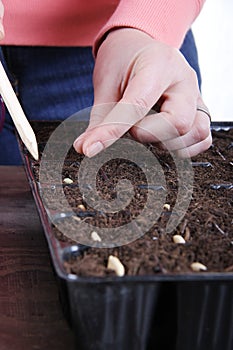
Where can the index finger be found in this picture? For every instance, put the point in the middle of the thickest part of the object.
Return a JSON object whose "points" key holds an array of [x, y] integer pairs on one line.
{"points": [[132, 108]]}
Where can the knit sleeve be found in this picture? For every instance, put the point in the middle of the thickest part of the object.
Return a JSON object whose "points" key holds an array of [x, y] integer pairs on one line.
{"points": [[164, 20]]}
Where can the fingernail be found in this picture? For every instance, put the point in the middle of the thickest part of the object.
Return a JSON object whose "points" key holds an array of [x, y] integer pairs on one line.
{"points": [[94, 149], [77, 144]]}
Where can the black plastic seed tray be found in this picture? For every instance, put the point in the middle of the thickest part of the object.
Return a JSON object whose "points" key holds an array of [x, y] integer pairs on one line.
{"points": [[160, 312]]}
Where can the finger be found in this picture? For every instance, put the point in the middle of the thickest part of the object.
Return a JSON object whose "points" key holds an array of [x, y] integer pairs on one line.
{"points": [[107, 89], [195, 149], [176, 118], [98, 112], [200, 131], [106, 93], [130, 109], [115, 124], [120, 119]]}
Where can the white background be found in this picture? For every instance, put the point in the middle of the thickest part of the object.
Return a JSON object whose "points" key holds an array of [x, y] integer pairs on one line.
{"points": [[213, 31]]}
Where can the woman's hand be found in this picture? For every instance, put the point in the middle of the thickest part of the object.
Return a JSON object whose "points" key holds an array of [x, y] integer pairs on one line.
{"points": [[132, 73]]}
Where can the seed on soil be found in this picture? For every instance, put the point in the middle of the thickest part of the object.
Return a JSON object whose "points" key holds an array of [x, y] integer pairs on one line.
{"points": [[115, 265], [187, 234], [81, 207], [67, 181], [178, 239], [95, 237], [197, 266], [76, 218], [167, 206]]}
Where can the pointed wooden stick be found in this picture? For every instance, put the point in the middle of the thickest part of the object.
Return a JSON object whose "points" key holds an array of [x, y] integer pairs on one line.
{"points": [[21, 123]]}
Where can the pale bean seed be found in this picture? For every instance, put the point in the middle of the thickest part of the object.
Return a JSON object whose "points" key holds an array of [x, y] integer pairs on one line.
{"points": [[95, 237], [115, 265], [178, 239], [81, 207], [187, 234], [167, 206], [197, 266], [67, 181]]}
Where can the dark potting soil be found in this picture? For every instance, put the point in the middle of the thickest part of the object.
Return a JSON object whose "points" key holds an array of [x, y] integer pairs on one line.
{"points": [[206, 225]]}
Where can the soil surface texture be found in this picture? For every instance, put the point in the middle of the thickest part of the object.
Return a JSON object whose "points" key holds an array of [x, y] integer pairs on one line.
{"points": [[206, 226]]}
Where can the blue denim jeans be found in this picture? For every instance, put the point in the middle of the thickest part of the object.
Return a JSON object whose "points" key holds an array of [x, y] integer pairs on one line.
{"points": [[53, 83]]}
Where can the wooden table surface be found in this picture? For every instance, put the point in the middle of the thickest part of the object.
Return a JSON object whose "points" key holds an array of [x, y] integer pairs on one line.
{"points": [[30, 312]]}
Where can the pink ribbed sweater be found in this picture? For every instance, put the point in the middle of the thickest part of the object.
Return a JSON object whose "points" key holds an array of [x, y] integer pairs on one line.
{"points": [[84, 23]]}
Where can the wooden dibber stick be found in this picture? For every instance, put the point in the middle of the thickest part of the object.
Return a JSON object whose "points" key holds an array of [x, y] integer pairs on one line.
{"points": [[21, 123]]}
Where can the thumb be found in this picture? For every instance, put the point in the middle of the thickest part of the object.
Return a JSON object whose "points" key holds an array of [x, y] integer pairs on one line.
{"points": [[106, 93], [106, 82]]}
